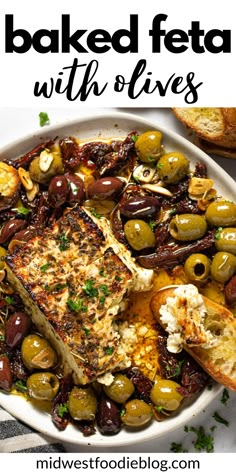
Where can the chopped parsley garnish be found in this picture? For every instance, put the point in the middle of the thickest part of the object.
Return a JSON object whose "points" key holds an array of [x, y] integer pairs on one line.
{"points": [[102, 299], [135, 138], [177, 371], [225, 396], [9, 300], [204, 442], [59, 287], [64, 242], [172, 211], [23, 210], [76, 305], [43, 118], [86, 330], [2, 338], [104, 289], [122, 412], [108, 350], [159, 408], [89, 288], [217, 233], [152, 224], [94, 213], [219, 418], [101, 272], [45, 267], [63, 409], [20, 386], [160, 165], [119, 279], [177, 447]]}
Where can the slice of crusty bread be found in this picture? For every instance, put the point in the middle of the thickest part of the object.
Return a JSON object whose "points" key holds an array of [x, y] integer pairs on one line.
{"points": [[216, 125], [211, 148], [218, 361]]}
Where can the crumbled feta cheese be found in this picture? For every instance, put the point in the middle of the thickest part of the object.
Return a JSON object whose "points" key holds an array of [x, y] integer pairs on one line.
{"points": [[143, 330], [183, 316], [106, 379]]}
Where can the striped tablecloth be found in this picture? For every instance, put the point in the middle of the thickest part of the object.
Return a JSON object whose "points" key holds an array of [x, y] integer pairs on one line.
{"points": [[17, 437]]}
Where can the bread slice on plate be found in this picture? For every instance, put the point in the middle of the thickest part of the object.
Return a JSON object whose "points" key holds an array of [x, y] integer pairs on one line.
{"points": [[211, 148], [216, 125], [205, 329]]}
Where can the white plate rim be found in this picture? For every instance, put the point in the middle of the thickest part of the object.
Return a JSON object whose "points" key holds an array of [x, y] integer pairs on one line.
{"points": [[17, 406]]}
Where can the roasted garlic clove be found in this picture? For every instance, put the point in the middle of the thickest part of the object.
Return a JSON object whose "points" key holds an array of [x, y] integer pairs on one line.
{"points": [[144, 173]]}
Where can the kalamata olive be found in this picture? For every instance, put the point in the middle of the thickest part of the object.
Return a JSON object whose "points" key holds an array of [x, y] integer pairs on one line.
{"points": [[43, 386], [223, 266], [105, 188], [26, 234], [120, 390], [187, 227], [221, 213], [226, 240], [230, 291], [82, 404], [3, 254], [148, 146], [139, 207], [197, 267], [137, 413], [58, 191], [139, 234], [37, 353], [76, 186], [17, 327], [108, 416], [5, 374], [172, 167], [164, 394], [10, 228]]}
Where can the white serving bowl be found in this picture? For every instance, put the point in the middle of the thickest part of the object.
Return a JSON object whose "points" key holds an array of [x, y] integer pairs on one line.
{"points": [[115, 125]]}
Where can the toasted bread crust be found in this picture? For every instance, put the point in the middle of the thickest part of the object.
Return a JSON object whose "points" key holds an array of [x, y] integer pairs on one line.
{"points": [[216, 125], [212, 148], [218, 361]]}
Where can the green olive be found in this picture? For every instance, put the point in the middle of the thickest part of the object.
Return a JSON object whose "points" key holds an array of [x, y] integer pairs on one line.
{"points": [[187, 227], [137, 413], [43, 386], [226, 240], [222, 213], [82, 404], [139, 234], [55, 168], [197, 267], [148, 146], [223, 266], [120, 390], [172, 167], [3, 254], [164, 394], [37, 353]]}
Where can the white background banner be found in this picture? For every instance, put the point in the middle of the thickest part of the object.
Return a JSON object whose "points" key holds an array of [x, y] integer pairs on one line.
{"points": [[129, 54], [121, 462]]}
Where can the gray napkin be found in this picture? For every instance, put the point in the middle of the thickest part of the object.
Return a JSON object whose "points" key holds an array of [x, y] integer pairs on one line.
{"points": [[17, 437]]}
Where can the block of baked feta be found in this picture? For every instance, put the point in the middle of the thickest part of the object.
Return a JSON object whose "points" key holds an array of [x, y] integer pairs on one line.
{"points": [[73, 281]]}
